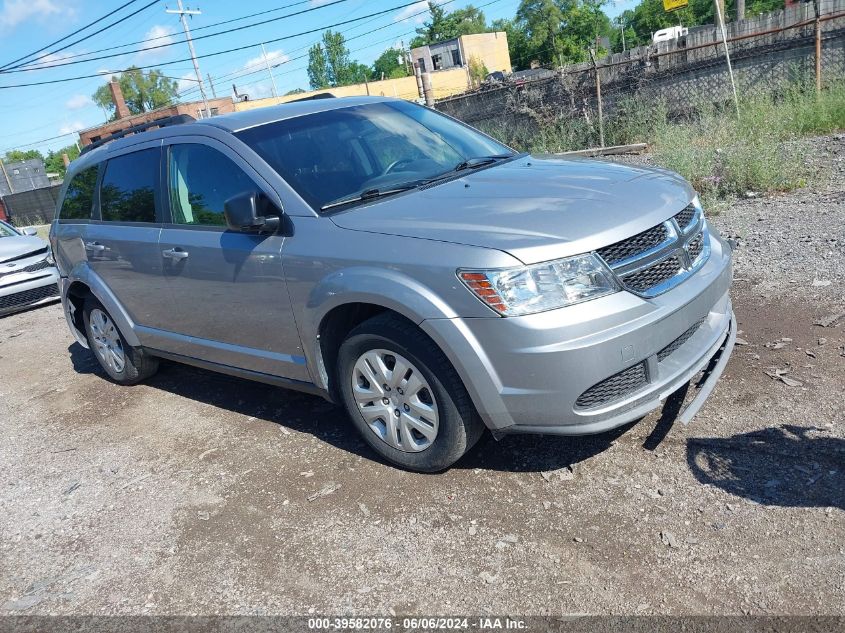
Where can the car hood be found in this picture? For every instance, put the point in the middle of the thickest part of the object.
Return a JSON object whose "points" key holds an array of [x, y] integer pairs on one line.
{"points": [[535, 208], [20, 246]]}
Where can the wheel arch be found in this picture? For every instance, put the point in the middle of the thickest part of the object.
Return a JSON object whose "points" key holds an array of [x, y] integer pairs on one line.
{"points": [[347, 298], [83, 284]]}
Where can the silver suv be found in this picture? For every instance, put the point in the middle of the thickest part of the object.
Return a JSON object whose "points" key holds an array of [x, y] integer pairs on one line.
{"points": [[392, 259]]}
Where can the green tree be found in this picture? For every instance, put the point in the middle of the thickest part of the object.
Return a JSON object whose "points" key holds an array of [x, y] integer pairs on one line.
{"points": [[445, 26], [432, 30], [318, 74], [295, 91], [54, 164], [540, 20], [16, 155], [390, 64], [562, 30], [329, 64], [141, 91], [519, 47], [339, 70]]}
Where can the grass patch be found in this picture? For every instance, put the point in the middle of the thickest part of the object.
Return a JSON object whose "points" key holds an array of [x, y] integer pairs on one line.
{"points": [[720, 153]]}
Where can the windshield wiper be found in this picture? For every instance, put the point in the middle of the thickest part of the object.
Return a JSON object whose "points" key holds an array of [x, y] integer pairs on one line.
{"points": [[479, 161], [367, 194]]}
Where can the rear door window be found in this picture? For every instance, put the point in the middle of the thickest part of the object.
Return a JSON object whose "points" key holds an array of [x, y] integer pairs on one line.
{"points": [[201, 180], [79, 196], [128, 190]]}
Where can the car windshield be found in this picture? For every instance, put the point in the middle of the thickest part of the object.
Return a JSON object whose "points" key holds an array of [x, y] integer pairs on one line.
{"points": [[339, 157], [7, 231]]}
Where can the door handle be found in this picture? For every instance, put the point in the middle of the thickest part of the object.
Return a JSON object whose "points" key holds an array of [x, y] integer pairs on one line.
{"points": [[94, 246], [174, 254]]}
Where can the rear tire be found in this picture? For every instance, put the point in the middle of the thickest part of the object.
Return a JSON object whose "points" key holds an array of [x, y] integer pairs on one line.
{"points": [[124, 364], [420, 417]]}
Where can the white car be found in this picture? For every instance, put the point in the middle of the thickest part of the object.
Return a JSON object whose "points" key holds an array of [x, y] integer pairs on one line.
{"points": [[672, 33], [28, 275]]}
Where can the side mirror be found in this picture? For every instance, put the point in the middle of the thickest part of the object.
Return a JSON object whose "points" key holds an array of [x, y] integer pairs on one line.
{"points": [[251, 212], [29, 230]]}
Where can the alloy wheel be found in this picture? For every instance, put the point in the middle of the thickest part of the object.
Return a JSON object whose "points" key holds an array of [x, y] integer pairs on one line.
{"points": [[107, 343]]}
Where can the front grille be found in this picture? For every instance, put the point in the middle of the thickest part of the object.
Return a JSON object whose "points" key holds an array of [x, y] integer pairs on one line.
{"points": [[672, 347], [695, 246], [633, 246], [617, 387], [37, 266], [19, 299], [685, 217], [648, 278]]}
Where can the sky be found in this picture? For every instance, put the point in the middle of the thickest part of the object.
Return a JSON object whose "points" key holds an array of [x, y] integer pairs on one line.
{"points": [[47, 116]]}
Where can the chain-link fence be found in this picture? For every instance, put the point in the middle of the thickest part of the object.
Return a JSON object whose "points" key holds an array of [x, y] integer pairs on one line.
{"points": [[767, 53]]}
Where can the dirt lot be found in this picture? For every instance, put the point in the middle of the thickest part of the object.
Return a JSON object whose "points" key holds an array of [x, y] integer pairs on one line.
{"points": [[192, 493]]}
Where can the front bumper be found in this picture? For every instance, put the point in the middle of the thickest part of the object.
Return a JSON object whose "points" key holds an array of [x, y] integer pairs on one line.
{"points": [[22, 290], [526, 374]]}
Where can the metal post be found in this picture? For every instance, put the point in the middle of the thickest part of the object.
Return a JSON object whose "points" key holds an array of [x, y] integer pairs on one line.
{"points": [[428, 91], [211, 84], [818, 47], [418, 75], [598, 97], [727, 54], [269, 70], [740, 10], [182, 13]]}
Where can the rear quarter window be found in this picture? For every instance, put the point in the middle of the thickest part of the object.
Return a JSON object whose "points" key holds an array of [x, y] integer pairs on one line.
{"points": [[127, 193], [79, 196]]}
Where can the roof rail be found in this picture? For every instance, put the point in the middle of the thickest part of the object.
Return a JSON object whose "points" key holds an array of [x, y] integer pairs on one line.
{"points": [[321, 95], [141, 127]]}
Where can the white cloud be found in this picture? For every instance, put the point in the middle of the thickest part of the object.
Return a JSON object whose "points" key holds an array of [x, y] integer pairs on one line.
{"points": [[405, 14], [186, 82], [14, 12], [273, 57], [77, 102], [159, 35], [67, 128]]}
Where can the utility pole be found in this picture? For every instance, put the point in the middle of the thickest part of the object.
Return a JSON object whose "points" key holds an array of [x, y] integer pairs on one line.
{"points": [[269, 70], [720, 5], [598, 97], [211, 85], [406, 56], [182, 13]]}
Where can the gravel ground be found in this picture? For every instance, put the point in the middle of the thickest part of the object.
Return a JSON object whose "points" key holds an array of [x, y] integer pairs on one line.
{"points": [[198, 493]]}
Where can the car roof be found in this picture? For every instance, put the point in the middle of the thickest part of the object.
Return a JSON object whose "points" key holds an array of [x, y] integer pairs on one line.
{"points": [[237, 121], [233, 122]]}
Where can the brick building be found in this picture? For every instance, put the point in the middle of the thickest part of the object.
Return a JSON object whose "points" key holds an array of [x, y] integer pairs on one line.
{"points": [[124, 119]]}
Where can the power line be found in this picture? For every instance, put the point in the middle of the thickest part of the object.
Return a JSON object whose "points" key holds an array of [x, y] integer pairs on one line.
{"points": [[216, 53], [90, 35], [201, 37], [158, 37], [59, 41]]}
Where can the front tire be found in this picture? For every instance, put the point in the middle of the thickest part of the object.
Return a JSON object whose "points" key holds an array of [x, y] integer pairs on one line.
{"points": [[124, 364], [404, 396]]}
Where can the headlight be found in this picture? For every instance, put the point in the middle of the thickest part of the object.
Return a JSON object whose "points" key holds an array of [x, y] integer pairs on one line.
{"points": [[540, 287], [50, 259]]}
